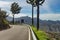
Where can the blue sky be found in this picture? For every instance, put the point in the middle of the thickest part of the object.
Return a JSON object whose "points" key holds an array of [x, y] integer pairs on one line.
{"points": [[50, 10]]}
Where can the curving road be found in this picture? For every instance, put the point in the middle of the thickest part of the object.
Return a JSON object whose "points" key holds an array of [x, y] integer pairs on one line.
{"points": [[16, 32]]}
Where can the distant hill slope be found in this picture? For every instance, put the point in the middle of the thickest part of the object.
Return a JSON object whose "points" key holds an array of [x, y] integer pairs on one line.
{"points": [[45, 25]]}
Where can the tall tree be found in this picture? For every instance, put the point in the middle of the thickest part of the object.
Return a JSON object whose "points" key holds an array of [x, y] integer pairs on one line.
{"points": [[38, 2], [15, 9], [32, 3]]}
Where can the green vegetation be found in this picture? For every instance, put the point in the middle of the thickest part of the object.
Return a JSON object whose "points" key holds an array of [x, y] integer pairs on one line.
{"points": [[41, 35], [3, 22]]}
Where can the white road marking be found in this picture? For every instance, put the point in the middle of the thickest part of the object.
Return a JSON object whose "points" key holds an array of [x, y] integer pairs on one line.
{"points": [[29, 35]]}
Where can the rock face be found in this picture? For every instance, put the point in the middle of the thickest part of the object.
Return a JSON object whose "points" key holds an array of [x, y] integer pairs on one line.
{"points": [[49, 26]]}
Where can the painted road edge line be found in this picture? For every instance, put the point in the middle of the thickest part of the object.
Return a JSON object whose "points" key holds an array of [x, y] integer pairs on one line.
{"points": [[33, 35], [29, 35]]}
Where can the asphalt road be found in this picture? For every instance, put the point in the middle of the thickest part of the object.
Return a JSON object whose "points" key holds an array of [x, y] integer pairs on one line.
{"points": [[16, 32]]}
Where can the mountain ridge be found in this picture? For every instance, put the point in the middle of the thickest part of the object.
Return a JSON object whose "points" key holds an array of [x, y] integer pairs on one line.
{"points": [[45, 25]]}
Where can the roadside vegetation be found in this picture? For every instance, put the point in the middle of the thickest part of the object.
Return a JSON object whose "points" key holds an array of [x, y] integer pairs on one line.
{"points": [[3, 22], [41, 35]]}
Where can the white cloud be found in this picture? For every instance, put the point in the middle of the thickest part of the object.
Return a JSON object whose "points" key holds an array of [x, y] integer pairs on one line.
{"points": [[4, 4], [18, 15], [46, 6], [23, 3], [50, 16]]}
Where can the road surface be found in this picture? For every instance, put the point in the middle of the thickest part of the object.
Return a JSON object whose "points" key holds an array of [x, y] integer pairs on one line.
{"points": [[16, 32]]}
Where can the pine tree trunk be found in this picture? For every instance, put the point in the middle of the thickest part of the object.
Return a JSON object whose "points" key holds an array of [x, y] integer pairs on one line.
{"points": [[38, 16], [32, 15], [13, 18]]}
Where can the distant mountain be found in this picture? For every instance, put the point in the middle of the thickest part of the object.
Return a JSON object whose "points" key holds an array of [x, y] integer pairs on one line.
{"points": [[9, 18], [27, 19], [53, 26]]}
